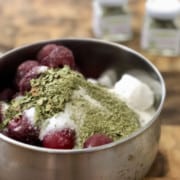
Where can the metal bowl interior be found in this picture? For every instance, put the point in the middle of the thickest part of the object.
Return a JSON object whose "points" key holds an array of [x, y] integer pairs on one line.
{"points": [[93, 57]]}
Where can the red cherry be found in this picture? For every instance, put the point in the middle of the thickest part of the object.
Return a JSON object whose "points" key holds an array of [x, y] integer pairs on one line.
{"points": [[59, 57], [21, 129], [24, 68], [45, 51], [24, 84], [63, 139], [97, 140]]}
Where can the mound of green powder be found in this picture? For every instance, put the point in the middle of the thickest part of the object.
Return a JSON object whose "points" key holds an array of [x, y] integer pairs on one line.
{"points": [[93, 108]]}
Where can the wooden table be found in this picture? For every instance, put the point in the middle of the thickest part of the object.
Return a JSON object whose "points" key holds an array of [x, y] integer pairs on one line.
{"points": [[27, 21]]}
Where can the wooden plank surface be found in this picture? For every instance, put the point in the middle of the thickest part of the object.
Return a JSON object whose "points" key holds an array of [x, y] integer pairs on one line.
{"points": [[27, 21], [167, 163]]}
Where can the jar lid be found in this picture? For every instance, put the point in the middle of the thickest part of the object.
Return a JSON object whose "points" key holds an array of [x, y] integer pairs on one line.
{"points": [[112, 2], [163, 9]]}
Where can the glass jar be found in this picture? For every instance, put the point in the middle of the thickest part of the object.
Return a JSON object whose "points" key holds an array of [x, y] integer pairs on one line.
{"points": [[112, 20], [161, 31]]}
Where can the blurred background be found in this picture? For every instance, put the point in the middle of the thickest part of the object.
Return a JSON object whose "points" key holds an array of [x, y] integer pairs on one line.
{"points": [[28, 21]]}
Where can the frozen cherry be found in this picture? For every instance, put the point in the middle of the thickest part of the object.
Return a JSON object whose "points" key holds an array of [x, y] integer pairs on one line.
{"points": [[24, 84], [59, 57], [45, 51], [6, 94], [97, 140], [24, 68], [62, 139], [21, 129], [4, 132]]}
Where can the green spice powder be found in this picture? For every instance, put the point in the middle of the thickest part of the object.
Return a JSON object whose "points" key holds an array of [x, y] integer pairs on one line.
{"points": [[93, 108]]}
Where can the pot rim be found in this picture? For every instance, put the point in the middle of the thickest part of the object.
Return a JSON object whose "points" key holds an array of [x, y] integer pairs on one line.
{"points": [[106, 146]]}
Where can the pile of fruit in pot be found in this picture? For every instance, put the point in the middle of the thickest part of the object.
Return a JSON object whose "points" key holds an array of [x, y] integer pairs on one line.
{"points": [[55, 106]]}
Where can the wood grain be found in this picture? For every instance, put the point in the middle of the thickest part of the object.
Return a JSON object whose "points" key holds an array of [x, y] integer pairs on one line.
{"points": [[167, 163]]}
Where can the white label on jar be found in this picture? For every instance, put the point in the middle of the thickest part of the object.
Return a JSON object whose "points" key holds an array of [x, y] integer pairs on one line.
{"points": [[161, 39], [120, 24]]}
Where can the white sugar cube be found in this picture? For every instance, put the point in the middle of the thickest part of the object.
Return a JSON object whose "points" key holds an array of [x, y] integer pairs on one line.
{"points": [[135, 93], [108, 78]]}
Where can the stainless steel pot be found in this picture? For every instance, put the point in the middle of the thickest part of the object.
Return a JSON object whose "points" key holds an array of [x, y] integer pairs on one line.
{"points": [[127, 159]]}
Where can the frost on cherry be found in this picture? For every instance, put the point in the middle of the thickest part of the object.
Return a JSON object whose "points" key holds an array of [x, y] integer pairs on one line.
{"points": [[21, 129]]}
